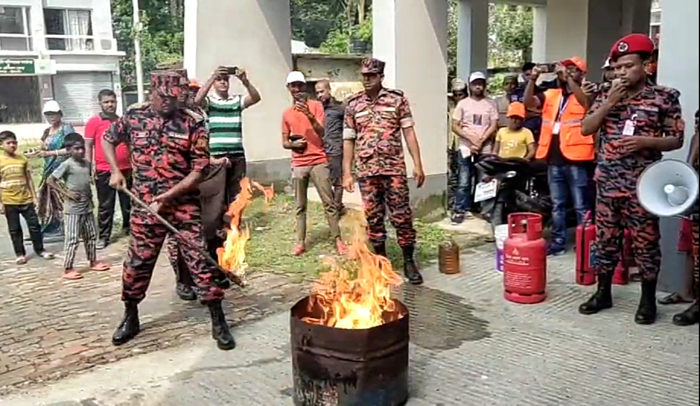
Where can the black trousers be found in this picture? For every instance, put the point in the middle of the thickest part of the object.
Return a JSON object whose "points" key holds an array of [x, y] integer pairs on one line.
{"points": [[106, 197], [234, 175], [14, 225]]}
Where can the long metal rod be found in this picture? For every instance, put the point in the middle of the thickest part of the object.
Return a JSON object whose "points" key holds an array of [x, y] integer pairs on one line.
{"points": [[234, 278]]}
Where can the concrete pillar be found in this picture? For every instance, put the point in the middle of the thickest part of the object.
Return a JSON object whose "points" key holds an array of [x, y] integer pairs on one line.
{"points": [[539, 34], [255, 35], [472, 37], [420, 71], [567, 29], [678, 68], [636, 16]]}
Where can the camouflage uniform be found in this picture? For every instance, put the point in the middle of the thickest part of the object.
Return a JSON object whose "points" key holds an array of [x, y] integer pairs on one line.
{"points": [[164, 151], [655, 112], [376, 128]]}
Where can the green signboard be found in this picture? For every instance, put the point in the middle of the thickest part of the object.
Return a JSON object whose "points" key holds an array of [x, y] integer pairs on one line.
{"points": [[17, 67]]}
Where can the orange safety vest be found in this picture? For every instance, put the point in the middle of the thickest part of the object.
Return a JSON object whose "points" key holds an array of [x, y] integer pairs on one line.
{"points": [[574, 146]]}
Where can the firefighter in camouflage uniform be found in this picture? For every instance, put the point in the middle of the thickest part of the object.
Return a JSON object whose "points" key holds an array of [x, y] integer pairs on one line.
{"points": [[638, 121], [375, 120], [170, 156]]}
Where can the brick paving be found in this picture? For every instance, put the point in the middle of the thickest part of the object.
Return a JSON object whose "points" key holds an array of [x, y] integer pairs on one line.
{"points": [[50, 328], [468, 347]]}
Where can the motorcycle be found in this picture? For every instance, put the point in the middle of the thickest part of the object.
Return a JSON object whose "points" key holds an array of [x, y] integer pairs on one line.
{"points": [[516, 185]]}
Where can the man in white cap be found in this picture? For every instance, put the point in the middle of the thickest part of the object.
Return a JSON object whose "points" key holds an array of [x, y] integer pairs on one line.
{"points": [[302, 133], [475, 121]]}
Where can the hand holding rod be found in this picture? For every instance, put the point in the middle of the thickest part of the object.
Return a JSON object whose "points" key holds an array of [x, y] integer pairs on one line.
{"points": [[234, 278]]}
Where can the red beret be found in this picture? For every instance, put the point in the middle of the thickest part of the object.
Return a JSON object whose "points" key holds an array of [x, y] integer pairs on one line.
{"points": [[632, 44]]}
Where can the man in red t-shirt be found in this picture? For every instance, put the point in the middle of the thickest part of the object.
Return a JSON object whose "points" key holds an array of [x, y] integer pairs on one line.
{"points": [[302, 133], [106, 196]]}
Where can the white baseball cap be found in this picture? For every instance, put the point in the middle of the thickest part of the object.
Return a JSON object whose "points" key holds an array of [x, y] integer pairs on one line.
{"points": [[296, 77], [607, 64], [51, 106], [477, 76]]}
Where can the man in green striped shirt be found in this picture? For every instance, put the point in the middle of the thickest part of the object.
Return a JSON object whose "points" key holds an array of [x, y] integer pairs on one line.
{"points": [[224, 111]]}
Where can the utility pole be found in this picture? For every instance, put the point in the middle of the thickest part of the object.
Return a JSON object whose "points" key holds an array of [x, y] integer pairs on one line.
{"points": [[137, 52]]}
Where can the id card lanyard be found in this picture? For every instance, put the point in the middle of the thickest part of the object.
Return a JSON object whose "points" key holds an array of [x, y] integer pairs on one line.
{"points": [[630, 126], [557, 123]]}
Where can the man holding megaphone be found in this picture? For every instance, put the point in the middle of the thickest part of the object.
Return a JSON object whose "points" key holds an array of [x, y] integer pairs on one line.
{"points": [[637, 121]]}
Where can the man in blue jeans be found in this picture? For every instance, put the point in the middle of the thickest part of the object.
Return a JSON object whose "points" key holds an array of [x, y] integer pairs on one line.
{"points": [[475, 121], [568, 153]]}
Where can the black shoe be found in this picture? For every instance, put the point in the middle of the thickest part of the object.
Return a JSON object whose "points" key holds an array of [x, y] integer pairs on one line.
{"points": [[410, 269], [126, 231], [130, 326], [102, 244], [380, 249], [219, 327], [646, 312], [689, 317], [185, 292], [601, 300]]}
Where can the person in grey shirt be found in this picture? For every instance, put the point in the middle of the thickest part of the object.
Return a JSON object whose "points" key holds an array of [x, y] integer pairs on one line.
{"points": [[73, 179], [333, 139]]}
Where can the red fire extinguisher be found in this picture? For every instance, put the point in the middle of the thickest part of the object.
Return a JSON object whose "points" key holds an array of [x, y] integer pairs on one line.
{"points": [[585, 238], [525, 260]]}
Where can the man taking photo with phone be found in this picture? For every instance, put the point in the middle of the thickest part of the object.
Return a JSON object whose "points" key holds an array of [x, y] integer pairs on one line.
{"points": [[226, 122]]}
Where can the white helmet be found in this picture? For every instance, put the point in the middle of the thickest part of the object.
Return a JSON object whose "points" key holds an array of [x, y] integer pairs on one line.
{"points": [[51, 106]]}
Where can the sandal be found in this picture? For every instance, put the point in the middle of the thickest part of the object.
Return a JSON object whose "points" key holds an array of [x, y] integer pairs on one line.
{"points": [[673, 299], [47, 256], [72, 275], [99, 267], [21, 260]]}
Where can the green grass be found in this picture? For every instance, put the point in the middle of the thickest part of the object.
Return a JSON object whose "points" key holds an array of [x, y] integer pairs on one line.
{"points": [[273, 236]]}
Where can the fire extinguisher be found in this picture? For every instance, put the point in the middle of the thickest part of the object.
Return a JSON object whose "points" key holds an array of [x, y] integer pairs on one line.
{"points": [[585, 238], [525, 260]]}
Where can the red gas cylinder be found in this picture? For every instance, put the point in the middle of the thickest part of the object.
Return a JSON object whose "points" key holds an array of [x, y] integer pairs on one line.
{"points": [[585, 238], [525, 260]]}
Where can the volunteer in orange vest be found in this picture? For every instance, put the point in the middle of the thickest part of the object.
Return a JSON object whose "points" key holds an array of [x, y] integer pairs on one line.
{"points": [[568, 153]]}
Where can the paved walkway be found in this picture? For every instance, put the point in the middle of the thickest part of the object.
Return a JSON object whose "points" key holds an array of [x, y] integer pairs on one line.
{"points": [[469, 347]]}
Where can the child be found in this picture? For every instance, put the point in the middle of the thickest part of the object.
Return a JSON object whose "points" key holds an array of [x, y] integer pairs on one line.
{"points": [[18, 197], [75, 174], [515, 141]]}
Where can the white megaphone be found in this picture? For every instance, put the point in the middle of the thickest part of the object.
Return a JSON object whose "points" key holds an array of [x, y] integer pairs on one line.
{"points": [[668, 188]]}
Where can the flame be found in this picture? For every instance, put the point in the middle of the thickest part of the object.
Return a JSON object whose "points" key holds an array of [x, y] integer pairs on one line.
{"points": [[232, 255], [356, 295]]}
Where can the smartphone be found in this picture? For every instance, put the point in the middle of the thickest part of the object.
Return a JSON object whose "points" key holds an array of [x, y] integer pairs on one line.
{"points": [[300, 97], [232, 70]]}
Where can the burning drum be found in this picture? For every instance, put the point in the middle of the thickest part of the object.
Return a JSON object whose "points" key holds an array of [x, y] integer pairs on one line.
{"points": [[349, 367]]}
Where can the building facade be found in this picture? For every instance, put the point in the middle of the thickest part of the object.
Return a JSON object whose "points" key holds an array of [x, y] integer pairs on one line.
{"points": [[61, 50]]}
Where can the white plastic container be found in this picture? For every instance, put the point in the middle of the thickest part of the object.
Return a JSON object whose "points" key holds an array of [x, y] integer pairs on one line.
{"points": [[500, 234]]}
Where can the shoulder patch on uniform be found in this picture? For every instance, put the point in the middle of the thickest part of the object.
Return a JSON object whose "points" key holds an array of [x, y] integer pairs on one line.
{"points": [[191, 113], [395, 92], [669, 90], [138, 106], [353, 97]]}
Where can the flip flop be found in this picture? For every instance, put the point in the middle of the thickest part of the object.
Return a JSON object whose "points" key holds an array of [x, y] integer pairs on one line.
{"points": [[72, 275], [673, 299], [47, 255], [21, 261], [99, 267]]}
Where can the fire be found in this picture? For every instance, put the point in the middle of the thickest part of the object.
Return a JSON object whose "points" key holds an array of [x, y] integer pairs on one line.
{"points": [[232, 255], [356, 295]]}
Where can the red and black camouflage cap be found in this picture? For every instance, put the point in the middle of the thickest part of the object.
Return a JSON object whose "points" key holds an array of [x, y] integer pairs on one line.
{"points": [[167, 84], [632, 44], [372, 65]]}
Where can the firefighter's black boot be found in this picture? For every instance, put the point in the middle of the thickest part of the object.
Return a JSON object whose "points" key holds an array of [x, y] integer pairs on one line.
{"points": [[129, 326], [410, 269], [602, 299], [220, 330], [646, 312]]}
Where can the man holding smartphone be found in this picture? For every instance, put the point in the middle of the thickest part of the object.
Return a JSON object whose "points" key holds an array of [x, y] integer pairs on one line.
{"points": [[224, 111], [303, 132]]}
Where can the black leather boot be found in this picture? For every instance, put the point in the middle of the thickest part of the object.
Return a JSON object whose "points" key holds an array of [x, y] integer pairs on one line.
{"points": [[602, 299], [379, 249], [646, 312], [130, 326], [185, 292], [410, 269], [689, 317], [220, 330]]}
